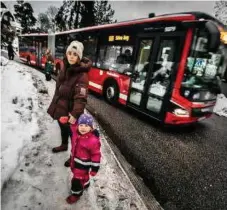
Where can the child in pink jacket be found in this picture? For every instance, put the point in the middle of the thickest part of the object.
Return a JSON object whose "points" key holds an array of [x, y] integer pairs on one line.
{"points": [[85, 156]]}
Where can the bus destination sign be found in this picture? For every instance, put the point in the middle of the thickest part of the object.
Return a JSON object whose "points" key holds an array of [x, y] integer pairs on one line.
{"points": [[113, 38]]}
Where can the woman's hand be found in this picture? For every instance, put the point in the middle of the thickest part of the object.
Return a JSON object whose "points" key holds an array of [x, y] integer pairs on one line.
{"points": [[72, 120]]}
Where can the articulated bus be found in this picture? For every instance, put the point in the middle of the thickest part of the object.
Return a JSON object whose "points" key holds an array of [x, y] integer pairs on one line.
{"points": [[32, 48], [167, 67]]}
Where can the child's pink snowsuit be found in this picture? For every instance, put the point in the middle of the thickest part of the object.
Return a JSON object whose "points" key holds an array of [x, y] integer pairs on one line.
{"points": [[85, 158]]}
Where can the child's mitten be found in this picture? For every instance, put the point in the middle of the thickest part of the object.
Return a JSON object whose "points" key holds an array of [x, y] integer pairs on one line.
{"points": [[93, 173], [63, 120]]}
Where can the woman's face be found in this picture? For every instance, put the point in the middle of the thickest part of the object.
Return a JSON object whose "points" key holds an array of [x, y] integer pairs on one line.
{"points": [[72, 57]]}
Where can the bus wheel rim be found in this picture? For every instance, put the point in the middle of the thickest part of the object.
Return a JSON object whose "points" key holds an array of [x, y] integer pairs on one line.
{"points": [[110, 92]]}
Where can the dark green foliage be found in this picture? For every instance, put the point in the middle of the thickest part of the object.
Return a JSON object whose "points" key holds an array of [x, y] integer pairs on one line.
{"points": [[103, 13], [7, 31], [87, 14], [60, 17], [24, 15], [78, 14]]}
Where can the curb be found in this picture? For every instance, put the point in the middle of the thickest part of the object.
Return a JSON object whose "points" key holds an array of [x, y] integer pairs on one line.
{"points": [[137, 182]]}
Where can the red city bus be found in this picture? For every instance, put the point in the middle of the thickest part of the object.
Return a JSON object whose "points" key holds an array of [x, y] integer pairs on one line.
{"points": [[32, 48], [166, 67]]}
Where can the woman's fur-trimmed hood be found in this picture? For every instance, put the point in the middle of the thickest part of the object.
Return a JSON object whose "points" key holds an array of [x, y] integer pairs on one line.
{"points": [[69, 70]]}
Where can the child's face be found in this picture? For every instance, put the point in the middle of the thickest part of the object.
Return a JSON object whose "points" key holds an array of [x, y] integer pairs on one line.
{"points": [[83, 128], [72, 57]]}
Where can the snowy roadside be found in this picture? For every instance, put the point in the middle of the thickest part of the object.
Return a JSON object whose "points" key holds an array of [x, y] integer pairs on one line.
{"points": [[19, 115], [37, 179], [221, 106]]}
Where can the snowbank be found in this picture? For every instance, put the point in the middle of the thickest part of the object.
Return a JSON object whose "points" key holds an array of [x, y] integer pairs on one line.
{"points": [[3, 61], [18, 115], [221, 105]]}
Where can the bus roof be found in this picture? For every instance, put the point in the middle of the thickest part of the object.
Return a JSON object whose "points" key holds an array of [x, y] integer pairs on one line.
{"points": [[201, 15], [35, 34], [170, 17]]}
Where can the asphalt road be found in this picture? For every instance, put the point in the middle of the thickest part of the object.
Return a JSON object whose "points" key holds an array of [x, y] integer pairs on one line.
{"points": [[184, 167]]}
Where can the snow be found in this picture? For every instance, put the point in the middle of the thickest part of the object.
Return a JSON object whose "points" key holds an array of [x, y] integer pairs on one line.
{"points": [[19, 115], [3, 61], [221, 105], [32, 176]]}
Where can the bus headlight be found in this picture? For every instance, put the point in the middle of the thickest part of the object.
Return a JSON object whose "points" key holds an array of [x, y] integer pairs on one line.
{"points": [[224, 37], [186, 93], [181, 112], [196, 96]]}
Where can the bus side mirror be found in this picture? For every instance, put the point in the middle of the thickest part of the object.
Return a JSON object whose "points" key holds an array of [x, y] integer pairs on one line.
{"points": [[214, 36], [210, 27]]}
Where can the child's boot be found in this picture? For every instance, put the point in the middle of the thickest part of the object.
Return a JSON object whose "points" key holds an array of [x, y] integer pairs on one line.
{"points": [[72, 199]]}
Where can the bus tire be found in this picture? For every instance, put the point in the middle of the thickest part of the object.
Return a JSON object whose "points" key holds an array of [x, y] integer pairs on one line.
{"points": [[28, 61], [58, 67], [111, 92], [225, 76]]}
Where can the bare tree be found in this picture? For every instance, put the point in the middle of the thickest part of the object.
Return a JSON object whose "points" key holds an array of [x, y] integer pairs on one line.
{"points": [[51, 14]]}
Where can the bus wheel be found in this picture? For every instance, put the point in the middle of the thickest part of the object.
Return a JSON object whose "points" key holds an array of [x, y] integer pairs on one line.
{"points": [[57, 69], [28, 61], [111, 92], [225, 76]]}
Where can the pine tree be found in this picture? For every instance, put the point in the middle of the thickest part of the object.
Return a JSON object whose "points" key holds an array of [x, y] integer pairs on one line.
{"points": [[7, 32], [60, 24], [78, 14], [77, 11], [87, 14], [103, 13], [62, 16], [220, 9], [24, 15]]}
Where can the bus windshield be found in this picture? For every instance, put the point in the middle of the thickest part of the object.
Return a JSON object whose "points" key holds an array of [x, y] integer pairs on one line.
{"points": [[201, 81]]}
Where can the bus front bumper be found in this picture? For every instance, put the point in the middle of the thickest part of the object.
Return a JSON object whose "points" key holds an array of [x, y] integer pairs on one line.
{"points": [[176, 120]]}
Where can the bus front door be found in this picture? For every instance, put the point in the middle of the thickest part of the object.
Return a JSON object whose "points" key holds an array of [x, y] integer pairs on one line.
{"points": [[156, 59]]}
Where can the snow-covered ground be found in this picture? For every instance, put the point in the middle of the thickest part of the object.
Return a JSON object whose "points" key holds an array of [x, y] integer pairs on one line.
{"points": [[32, 176]]}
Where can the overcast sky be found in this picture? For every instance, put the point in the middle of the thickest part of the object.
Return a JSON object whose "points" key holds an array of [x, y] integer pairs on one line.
{"points": [[126, 10]]}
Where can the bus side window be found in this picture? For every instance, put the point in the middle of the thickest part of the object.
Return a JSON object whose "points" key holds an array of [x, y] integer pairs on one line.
{"points": [[111, 57], [90, 47]]}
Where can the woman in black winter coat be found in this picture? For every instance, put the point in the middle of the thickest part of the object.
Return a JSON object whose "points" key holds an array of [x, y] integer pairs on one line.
{"points": [[70, 95]]}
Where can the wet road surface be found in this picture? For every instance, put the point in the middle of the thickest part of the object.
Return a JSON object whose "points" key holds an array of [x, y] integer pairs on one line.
{"points": [[184, 167]]}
